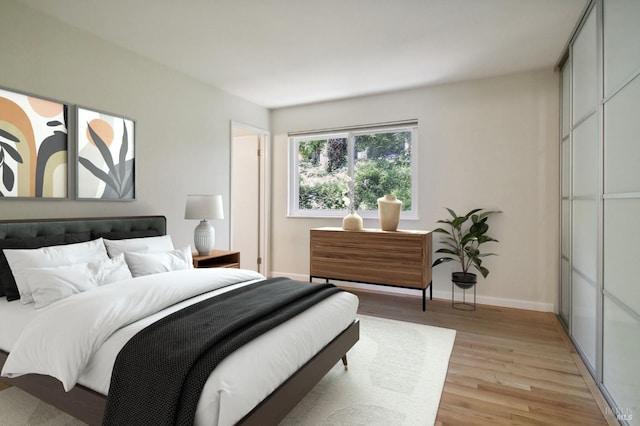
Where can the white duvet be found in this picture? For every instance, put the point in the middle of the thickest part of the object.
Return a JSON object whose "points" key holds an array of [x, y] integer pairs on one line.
{"points": [[77, 339]]}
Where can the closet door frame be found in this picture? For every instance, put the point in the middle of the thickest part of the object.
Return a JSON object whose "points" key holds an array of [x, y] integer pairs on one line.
{"points": [[593, 112]]}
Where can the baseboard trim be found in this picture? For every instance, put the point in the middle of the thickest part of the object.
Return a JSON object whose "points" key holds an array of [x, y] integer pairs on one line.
{"points": [[437, 294]]}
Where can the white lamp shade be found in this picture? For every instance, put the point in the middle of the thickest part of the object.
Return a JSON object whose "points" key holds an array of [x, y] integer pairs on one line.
{"points": [[204, 207]]}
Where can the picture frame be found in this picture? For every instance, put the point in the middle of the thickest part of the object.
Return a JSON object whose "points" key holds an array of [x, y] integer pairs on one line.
{"points": [[105, 156], [34, 147]]}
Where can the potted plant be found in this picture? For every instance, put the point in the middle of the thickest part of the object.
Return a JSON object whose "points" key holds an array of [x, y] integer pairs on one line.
{"points": [[462, 244]]}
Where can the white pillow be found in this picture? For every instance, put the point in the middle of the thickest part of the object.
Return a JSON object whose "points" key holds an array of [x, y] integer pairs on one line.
{"points": [[145, 245], [153, 263], [47, 257], [49, 285]]}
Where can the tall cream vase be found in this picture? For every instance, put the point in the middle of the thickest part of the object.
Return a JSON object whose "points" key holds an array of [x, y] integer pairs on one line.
{"points": [[389, 212]]}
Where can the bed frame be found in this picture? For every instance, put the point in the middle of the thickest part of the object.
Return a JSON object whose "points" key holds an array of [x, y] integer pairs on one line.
{"points": [[88, 405]]}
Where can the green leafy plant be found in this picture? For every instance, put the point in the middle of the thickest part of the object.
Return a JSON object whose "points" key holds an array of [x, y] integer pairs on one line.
{"points": [[463, 238]]}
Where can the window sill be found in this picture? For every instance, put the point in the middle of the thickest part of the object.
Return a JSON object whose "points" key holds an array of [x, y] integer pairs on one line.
{"points": [[365, 216]]}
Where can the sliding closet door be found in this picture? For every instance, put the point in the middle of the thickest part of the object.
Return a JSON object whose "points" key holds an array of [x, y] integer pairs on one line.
{"points": [[621, 316], [600, 200], [585, 190]]}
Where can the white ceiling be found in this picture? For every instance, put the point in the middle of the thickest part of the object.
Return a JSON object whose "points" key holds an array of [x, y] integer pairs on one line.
{"points": [[279, 53]]}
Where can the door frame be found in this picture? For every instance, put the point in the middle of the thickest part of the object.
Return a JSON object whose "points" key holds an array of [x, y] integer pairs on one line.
{"points": [[264, 137]]}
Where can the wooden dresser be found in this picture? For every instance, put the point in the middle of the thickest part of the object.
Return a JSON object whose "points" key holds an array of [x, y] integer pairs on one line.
{"points": [[398, 259]]}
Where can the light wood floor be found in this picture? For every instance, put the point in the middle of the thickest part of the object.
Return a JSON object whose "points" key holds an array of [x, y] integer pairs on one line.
{"points": [[508, 366]]}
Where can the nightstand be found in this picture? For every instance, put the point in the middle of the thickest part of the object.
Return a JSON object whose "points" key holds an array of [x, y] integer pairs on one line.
{"points": [[217, 259]]}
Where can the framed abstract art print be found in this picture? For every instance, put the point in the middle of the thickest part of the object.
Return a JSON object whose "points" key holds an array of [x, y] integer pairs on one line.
{"points": [[33, 147], [105, 156]]}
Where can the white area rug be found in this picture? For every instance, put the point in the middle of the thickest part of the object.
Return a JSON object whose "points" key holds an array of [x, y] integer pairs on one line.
{"points": [[396, 375], [18, 408]]}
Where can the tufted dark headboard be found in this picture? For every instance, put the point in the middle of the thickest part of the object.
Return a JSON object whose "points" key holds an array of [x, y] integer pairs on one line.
{"points": [[122, 226]]}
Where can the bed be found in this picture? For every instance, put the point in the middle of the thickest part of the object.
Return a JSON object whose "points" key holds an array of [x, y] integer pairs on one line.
{"points": [[290, 369]]}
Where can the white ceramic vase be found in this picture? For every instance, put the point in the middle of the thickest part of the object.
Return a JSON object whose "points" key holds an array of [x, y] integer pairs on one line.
{"points": [[389, 212], [352, 222]]}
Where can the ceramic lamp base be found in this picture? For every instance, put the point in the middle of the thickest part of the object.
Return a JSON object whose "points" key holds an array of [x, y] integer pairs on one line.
{"points": [[204, 238]]}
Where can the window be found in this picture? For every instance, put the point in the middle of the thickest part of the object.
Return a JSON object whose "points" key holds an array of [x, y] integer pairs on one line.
{"points": [[331, 170]]}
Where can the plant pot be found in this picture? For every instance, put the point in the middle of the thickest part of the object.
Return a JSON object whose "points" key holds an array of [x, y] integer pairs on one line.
{"points": [[464, 280]]}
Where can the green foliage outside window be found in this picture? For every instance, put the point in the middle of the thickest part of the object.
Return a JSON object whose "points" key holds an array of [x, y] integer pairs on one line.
{"points": [[378, 177], [381, 164], [310, 151]]}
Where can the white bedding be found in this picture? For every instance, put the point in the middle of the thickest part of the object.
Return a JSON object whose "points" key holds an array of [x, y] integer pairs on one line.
{"points": [[85, 353], [14, 316]]}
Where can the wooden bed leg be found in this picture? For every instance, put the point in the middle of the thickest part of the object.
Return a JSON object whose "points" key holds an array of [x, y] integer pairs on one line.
{"points": [[344, 362]]}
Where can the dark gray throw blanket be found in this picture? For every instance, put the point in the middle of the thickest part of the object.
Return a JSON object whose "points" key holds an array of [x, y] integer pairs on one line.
{"points": [[159, 374]]}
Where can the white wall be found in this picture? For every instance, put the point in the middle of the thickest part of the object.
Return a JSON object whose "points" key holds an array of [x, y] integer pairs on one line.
{"points": [[504, 129], [488, 143], [182, 125]]}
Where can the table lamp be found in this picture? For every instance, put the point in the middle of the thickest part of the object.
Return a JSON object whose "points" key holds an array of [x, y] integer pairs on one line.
{"points": [[204, 207]]}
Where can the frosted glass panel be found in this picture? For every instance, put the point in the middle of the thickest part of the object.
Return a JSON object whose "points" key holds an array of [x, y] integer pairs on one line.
{"points": [[585, 70], [621, 257], [566, 167], [565, 294], [621, 47], [585, 158], [565, 214], [621, 363], [566, 99], [583, 316], [622, 140], [584, 249]]}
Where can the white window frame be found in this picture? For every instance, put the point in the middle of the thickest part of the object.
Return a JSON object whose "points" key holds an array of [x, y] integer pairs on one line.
{"points": [[295, 138]]}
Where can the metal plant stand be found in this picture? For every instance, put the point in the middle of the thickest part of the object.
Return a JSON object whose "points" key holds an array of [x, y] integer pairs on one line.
{"points": [[464, 305]]}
